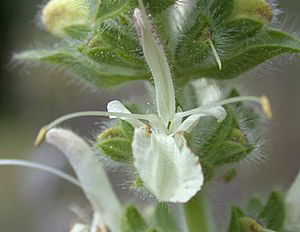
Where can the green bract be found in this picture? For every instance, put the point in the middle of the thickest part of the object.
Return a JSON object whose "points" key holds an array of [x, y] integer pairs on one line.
{"points": [[199, 37]]}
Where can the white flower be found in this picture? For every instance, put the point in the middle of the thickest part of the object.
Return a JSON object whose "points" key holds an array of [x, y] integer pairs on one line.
{"points": [[90, 173], [92, 178], [166, 165]]}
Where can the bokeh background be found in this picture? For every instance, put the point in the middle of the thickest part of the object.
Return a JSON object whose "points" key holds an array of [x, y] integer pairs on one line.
{"points": [[31, 96]]}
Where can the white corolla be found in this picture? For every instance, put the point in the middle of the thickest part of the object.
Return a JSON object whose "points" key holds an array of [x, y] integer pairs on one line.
{"points": [[165, 163]]}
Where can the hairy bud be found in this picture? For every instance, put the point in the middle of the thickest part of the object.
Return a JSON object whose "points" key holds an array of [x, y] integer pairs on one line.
{"points": [[60, 14], [259, 10]]}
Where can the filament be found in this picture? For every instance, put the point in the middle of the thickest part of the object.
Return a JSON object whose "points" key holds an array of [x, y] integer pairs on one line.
{"points": [[261, 100], [41, 167], [215, 53], [42, 133]]}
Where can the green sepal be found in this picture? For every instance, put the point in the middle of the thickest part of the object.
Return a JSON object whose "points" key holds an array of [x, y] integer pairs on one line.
{"points": [[248, 44], [229, 175], [132, 221], [112, 8], [117, 149], [250, 225], [235, 224], [225, 142], [219, 10], [114, 44], [115, 142], [127, 129], [258, 217], [241, 223], [163, 220], [273, 213], [157, 6], [254, 207]]}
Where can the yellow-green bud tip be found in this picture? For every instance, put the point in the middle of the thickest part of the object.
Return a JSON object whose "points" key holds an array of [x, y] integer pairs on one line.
{"points": [[266, 107], [60, 14], [260, 10], [40, 137]]}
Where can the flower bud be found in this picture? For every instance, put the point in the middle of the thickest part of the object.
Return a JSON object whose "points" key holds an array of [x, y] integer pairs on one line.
{"points": [[292, 207], [259, 10], [60, 14]]}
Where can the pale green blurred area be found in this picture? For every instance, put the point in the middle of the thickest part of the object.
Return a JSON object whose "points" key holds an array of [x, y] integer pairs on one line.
{"points": [[30, 97]]}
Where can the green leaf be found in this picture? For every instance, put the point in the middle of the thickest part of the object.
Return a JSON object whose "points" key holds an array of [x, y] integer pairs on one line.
{"points": [[102, 75], [272, 215], [162, 219], [132, 221]]}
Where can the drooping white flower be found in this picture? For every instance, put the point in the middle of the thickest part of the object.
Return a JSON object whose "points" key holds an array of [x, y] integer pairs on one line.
{"points": [[92, 178], [166, 165], [91, 175]]}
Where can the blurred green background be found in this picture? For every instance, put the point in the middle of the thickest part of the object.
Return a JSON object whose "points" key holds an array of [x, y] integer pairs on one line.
{"points": [[31, 96]]}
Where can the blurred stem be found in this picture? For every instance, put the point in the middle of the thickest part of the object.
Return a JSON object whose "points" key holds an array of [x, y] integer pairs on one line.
{"points": [[197, 213]]}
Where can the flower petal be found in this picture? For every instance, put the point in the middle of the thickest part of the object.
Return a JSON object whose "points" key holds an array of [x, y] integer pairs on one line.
{"points": [[90, 173], [117, 107], [78, 227], [168, 168], [190, 122], [158, 64], [206, 91]]}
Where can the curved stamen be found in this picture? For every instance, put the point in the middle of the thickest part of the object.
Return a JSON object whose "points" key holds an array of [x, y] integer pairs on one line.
{"points": [[41, 167], [215, 53], [261, 100], [41, 135]]}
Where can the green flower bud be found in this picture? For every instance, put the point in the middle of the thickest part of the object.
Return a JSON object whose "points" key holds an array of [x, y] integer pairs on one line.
{"points": [[60, 14], [259, 10]]}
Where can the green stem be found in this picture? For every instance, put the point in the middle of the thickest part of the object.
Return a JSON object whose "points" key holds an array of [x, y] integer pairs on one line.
{"points": [[197, 213]]}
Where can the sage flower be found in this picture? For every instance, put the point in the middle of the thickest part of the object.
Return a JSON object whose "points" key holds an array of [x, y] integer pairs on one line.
{"points": [[92, 179], [168, 168]]}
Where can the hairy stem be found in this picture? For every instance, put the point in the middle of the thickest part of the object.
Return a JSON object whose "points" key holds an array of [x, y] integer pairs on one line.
{"points": [[197, 213]]}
